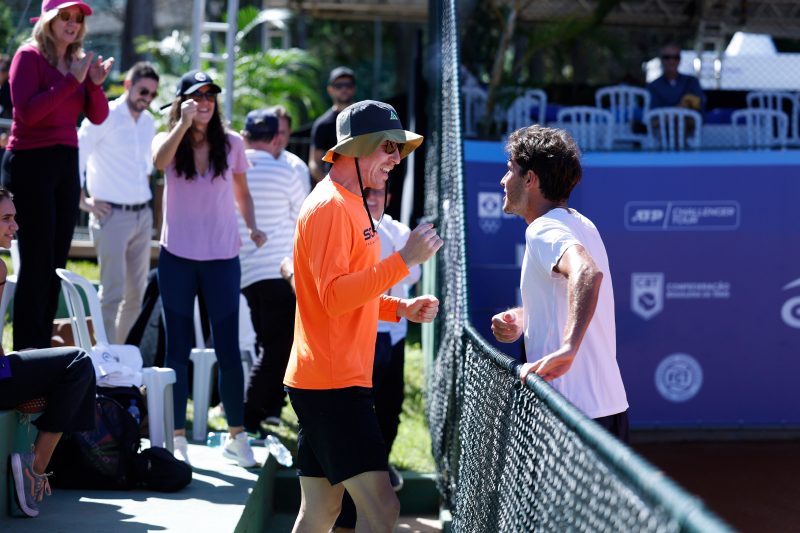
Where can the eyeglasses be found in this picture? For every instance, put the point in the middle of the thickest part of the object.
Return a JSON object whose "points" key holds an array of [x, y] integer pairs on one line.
{"points": [[147, 92], [390, 147], [65, 16], [208, 96], [676, 57], [343, 85]]}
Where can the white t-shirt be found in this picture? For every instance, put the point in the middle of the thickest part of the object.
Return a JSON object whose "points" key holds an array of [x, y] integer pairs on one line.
{"points": [[593, 383]]}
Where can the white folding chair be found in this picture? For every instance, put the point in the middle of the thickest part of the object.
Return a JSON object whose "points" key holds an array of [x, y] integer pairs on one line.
{"points": [[760, 128], [157, 381], [785, 101], [474, 105], [673, 128], [591, 127], [11, 283], [519, 112], [203, 359], [626, 104]]}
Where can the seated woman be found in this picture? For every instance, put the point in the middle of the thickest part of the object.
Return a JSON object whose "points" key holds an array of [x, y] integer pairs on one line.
{"points": [[64, 377]]}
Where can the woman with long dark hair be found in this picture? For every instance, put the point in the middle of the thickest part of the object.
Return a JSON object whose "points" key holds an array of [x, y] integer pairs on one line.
{"points": [[204, 165], [52, 82]]}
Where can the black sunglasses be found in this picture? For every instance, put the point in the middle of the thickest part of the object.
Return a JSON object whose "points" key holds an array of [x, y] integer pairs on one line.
{"points": [[208, 96], [343, 85], [676, 57], [147, 92], [390, 146], [66, 17]]}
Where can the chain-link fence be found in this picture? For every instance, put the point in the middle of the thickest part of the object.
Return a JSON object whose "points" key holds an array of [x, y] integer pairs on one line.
{"points": [[513, 457], [722, 75]]}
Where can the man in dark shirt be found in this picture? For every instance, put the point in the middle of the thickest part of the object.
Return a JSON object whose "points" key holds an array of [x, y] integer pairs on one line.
{"points": [[341, 89], [674, 89]]}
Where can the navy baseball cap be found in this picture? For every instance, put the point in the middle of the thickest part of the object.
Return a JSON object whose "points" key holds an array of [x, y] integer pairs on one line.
{"points": [[261, 123], [193, 80]]}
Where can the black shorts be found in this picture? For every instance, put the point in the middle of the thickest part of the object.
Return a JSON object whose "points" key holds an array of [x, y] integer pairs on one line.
{"points": [[617, 425], [339, 435]]}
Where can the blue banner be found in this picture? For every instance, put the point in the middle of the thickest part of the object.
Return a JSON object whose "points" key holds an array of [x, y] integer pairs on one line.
{"points": [[705, 260]]}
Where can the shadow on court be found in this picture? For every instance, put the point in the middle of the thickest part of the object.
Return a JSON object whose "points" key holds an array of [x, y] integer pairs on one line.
{"points": [[752, 485]]}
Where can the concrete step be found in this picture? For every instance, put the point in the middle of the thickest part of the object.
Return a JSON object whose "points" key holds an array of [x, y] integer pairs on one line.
{"points": [[418, 496]]}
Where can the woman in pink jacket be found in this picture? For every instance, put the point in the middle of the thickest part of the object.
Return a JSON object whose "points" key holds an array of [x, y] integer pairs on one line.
{"points": [[52, 82]]}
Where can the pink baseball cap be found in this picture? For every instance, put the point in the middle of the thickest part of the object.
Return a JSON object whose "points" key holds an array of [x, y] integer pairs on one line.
{"points": [[51, 5]]}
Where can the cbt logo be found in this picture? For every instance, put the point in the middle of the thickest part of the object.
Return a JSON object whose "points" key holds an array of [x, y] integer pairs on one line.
{"points": [[679, 377], [790, 311], [490, 209], [647, 293]]}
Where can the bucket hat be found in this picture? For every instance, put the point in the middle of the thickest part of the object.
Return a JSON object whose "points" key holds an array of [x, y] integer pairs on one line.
{"points": [[50, 8], [363, 126]]}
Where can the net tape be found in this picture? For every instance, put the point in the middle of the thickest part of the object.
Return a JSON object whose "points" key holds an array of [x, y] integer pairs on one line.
{"points": [[512, 457]]}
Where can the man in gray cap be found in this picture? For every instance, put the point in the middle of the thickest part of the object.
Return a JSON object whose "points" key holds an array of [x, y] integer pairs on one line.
{"points": [[341, 89], [341, 286]]}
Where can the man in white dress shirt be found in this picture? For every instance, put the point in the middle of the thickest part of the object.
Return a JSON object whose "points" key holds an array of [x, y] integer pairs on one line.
{"points": [[117, 159]]}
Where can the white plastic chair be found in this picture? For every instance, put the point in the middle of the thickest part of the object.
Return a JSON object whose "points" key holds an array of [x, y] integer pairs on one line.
{"points": [[11, 283], [784, 101], [591, 127], [158, 381], [670, 128], [203, 359], [474, 103], [519, 112], [760, 128], [625, 103]]}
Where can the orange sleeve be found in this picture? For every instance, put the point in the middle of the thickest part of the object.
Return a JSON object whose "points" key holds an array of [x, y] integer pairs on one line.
{"points": [[340, 288], [388, 309]]}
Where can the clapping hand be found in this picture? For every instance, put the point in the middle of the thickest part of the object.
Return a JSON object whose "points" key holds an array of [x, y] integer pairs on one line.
{"points": [[80, 66], [98, 71]]}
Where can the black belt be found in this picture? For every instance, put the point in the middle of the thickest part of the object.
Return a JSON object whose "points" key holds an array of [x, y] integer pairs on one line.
{"points": [[129, 207]]}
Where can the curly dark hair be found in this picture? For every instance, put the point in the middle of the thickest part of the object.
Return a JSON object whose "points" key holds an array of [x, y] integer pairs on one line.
{"points": [[218, 143], [552, 155]]}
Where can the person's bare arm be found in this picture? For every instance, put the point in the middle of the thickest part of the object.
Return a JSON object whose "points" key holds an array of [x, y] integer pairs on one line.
{"points": [[244, 201], [583, 290], [315, 156], [165, 146]]}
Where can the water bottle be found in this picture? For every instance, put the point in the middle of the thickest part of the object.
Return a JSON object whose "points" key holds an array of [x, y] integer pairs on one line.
{"points": [[278, 450], [134, 411], [216, 438]]}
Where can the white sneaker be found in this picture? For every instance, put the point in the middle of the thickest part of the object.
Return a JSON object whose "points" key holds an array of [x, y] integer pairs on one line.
{"points": [[239, 450], [181, 449]]}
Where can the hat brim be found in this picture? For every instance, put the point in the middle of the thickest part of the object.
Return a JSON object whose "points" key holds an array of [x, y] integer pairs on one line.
{"points": [[51, 14], [200, 84], [364, 145]]}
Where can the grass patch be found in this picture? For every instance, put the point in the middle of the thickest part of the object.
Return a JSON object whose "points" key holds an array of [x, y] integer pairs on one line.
{"points": [[411, 450]]}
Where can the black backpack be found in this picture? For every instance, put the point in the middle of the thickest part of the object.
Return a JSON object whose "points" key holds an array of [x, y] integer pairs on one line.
{"points": [[156, 469], [102, 458]]}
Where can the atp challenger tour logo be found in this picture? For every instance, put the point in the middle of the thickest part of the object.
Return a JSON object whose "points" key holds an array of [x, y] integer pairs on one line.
{"points": [[679, 377]]}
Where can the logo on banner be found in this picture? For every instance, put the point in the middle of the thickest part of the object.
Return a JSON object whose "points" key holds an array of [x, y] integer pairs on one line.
{"points": [[490, 210], [647, 293], [678, 215], [790, 311], [679, 377]]}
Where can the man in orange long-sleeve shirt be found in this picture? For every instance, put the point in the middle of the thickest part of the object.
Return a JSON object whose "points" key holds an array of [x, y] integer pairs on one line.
{"points": [[340, 285]]}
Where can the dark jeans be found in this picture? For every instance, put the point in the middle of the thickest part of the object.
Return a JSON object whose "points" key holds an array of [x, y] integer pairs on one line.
{"points": [[617, 425], [272, 307], [180, 280], [63, 376], [388, 388], [46, 191]]}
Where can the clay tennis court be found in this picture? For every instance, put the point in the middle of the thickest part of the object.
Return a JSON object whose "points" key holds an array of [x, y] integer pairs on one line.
{"points": [[752, 485]]}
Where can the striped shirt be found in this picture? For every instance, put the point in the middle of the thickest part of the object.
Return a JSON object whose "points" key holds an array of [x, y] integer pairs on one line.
{"points": [[277, 187]]}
